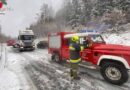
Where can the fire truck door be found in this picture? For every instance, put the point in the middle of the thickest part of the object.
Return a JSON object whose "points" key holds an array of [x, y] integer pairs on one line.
{"points": [[65, 52], [87, 54]]}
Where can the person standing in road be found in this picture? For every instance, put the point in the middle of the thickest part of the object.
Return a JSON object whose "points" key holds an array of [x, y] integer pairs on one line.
{"points": [[75, 59]]}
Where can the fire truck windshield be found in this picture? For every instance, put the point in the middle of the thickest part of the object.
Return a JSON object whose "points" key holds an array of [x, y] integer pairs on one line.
{"points": [[91, 38], [96, 38]]}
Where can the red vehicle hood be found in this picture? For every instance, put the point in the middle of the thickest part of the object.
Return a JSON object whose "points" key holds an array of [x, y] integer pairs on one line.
{"points": [[111, 47]]}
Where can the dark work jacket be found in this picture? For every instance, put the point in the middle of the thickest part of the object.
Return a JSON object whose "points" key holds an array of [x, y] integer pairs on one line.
{"points": [[74, 51]]}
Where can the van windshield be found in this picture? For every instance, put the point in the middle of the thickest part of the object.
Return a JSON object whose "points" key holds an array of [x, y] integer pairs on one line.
{"points": [[26, 37]]}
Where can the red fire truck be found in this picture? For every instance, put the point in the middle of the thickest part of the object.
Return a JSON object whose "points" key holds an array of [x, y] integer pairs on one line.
{"points": [[113, 60]]}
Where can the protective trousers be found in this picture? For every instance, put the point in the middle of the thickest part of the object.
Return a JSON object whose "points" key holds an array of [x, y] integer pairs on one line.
{"points": [[74, 69]]}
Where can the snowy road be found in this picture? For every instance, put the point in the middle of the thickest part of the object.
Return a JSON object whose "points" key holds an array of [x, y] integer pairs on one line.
{"points": [[35, 71]]}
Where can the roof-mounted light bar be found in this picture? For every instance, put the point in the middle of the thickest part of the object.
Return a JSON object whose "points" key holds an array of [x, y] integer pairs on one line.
{"points": [[80, 34]]}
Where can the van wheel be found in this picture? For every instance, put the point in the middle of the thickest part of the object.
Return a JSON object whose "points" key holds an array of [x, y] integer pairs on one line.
{"points": [[56, 58], [114, 73]]}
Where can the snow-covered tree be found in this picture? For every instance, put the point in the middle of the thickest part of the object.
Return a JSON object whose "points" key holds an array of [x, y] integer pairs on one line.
{"points": [[74, 17], [103, 6]]}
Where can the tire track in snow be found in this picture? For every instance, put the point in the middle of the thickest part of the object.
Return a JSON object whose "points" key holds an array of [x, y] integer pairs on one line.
{"points": [[42, 67]]}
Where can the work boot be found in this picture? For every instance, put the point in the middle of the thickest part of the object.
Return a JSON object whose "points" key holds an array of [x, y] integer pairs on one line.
{"points": [[77, 78], [71, 73]]}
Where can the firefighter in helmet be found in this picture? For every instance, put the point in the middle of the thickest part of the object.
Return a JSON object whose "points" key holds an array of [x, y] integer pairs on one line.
{"points": [[75, 59]]}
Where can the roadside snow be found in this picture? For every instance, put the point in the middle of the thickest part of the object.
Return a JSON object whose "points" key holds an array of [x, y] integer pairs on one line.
{"points": [[122, 39], [13, 75], [8, 81]]}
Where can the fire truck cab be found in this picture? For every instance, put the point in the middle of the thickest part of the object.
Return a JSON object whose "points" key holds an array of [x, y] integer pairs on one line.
{"points": [[113, 60]]}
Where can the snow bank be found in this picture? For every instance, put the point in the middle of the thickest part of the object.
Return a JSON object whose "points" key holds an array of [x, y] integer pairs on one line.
{"points": [[8, 81], [13, 75]]}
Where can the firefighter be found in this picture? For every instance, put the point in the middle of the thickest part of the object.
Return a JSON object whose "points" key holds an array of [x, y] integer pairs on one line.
{"points": [[75, 59], [87, 43]]}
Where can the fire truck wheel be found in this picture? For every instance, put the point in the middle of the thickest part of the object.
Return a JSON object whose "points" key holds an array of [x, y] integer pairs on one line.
{"points": [[56, 58], [114, 73]]}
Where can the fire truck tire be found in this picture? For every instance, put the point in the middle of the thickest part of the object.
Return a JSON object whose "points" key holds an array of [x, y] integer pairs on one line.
{"points": [[56, 58], [114, 73], [52, 58]]}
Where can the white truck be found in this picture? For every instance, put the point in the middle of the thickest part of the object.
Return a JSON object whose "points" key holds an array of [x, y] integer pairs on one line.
{"points": [[26, 40]]}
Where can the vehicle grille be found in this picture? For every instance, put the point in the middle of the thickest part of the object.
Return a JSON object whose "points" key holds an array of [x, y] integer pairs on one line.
{"points": [[27, 44]]}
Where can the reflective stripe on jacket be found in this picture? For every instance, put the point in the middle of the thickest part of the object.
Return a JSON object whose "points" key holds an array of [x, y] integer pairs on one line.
{"points": [[75, 61]]}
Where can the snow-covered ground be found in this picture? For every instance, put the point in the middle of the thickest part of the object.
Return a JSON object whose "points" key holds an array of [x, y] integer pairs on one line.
{"points": [[12, 73], [33, 70]]}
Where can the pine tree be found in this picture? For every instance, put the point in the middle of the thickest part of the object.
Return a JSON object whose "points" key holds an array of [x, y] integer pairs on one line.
{"points": [[123, 5], [87, 9], [104, 6], [75, 14]]}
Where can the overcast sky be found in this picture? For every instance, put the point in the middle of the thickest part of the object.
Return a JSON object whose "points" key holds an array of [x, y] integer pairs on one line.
{"points": [[23, 14]]}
